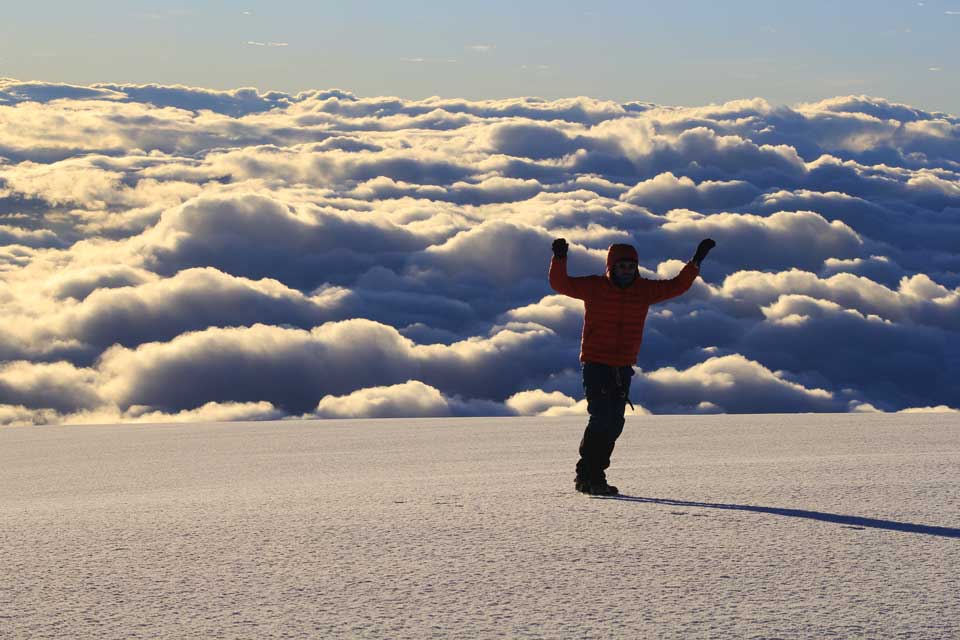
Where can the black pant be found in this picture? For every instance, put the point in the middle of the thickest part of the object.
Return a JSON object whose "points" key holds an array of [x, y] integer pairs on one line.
{"points": [[607, 389]]}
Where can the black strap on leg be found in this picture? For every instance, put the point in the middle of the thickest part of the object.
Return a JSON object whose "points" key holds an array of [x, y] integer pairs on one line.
{"points": [[621, 388]]}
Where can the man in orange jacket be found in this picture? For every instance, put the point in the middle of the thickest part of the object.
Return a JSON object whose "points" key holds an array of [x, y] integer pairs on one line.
{"points": [[615, 307]]}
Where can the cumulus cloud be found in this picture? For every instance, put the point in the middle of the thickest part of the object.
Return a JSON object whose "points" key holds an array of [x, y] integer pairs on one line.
{"points": [[182, 253], [730, 384], [18, 415], [541, 403], [918, 299], [899, 362], [529, 139], [938, 409], [257, 236], [635, 147], [666, 191], [497, 250], [412, 398], [79, 283], [293, 368], [58, 386], [42, 238], [780, 240], [232, 102], [560, 313], [13, 91], [193, 299]]}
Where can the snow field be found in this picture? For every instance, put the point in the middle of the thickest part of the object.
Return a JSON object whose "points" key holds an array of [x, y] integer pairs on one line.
{"points": [[735, 526]]}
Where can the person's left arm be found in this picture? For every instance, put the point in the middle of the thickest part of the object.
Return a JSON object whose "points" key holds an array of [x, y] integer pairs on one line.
{"points": [[660, 290]]}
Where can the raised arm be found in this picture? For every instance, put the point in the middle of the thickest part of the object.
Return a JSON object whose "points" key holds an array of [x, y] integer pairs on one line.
{"points": [[559, 280], [660, 290], [702, 250]]}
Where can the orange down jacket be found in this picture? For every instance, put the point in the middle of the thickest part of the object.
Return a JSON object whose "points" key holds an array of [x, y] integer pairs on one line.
{"points": [[614, 317]]}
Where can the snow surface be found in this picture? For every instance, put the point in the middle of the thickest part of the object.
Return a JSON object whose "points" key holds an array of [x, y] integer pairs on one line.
{"points": [[733, 526]]}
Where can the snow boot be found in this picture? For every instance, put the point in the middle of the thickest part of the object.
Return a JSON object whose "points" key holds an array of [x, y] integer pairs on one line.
{"points": [[595, 487], [601, 488]]}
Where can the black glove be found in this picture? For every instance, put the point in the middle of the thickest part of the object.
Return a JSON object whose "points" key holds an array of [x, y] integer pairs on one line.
{"points": [[560, 248], [702, 250]]}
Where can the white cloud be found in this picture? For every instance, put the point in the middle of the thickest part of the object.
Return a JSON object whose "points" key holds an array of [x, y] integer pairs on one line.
{"points": [[537, 402], [412, 398], [58, 385], [578, 409], [21, 416], [938, 409], [253, 235], [10, 235], [666, 191], [917, 299], [270, 253], [80, 282], [562, 314], [498, 250], [803, 238], [728, 384], [294, 368], [11, 415], [208, 412]]}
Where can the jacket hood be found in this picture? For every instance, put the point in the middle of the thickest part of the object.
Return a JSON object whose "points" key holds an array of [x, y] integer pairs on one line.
{"points": [[618, 252]]}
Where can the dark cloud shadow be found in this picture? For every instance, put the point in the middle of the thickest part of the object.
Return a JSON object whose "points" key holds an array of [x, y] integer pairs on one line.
{"points": [[849, 521]]}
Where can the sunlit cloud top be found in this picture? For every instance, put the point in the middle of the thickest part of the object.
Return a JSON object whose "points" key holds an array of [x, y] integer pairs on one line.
{"points": [[176, 252]]}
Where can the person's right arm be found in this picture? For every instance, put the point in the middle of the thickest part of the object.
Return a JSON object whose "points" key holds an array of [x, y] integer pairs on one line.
{"points": [[559, 280]]}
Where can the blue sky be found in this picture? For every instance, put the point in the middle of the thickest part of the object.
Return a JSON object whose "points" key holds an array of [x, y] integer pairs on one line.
{"points": [[664, 52]]}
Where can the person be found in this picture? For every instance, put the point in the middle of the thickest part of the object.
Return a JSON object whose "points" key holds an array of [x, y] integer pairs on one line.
{"points": [[615, 308]]}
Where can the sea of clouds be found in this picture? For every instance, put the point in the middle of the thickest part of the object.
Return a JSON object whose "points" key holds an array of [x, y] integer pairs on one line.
{"points": [[182, 253]]}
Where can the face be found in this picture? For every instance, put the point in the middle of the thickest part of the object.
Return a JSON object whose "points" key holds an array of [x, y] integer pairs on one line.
{"points": [[624, 269]]}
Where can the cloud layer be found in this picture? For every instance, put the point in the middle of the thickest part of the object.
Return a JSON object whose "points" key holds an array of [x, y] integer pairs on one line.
{"points": [[179, 253]]}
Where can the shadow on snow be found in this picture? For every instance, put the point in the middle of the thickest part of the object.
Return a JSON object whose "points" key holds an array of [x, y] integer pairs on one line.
{"points": [[852, 521]]}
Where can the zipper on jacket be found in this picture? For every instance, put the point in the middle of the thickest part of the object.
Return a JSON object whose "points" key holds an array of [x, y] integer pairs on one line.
{"points": [[620, 324]]}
